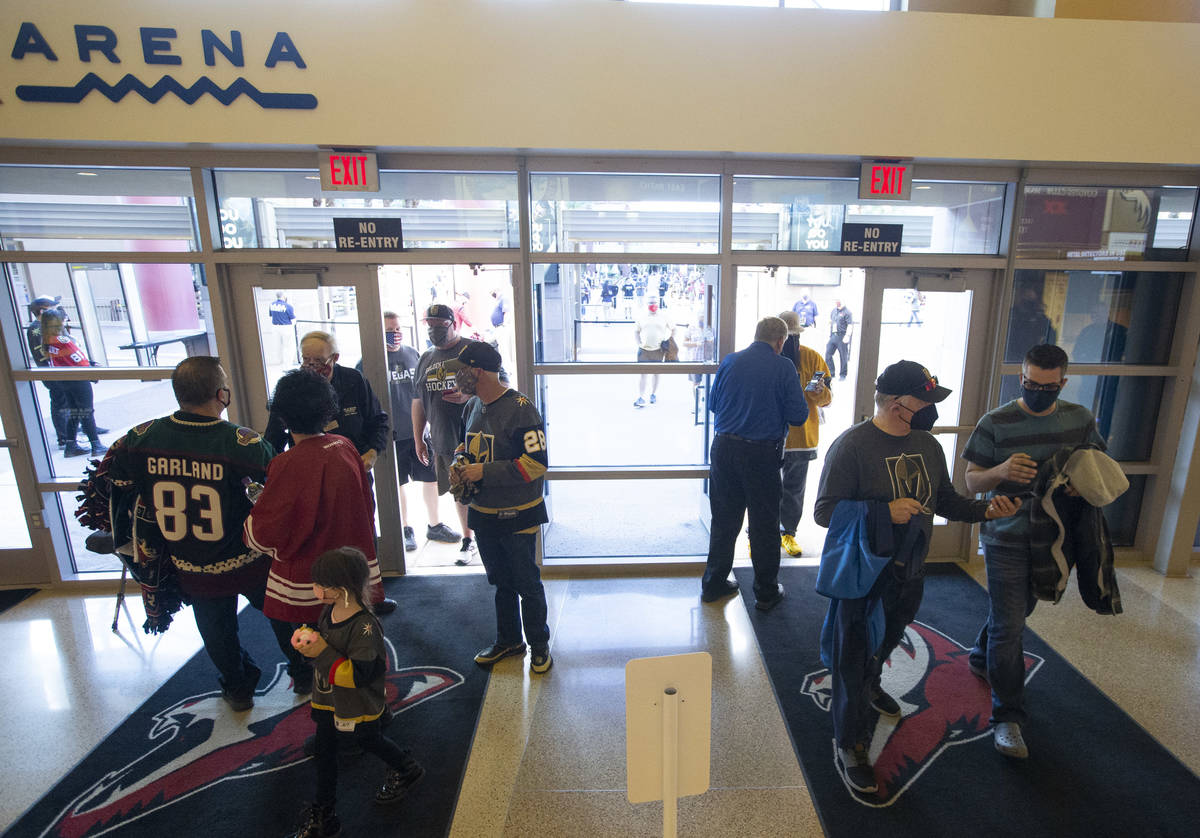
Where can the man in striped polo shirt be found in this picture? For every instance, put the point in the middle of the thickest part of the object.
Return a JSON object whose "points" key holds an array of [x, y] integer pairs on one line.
{"points": [[1003, 455]]}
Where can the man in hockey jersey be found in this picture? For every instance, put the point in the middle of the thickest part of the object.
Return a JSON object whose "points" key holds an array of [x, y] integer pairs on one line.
{"points": [[188, 470], [438, 403], [499, 469]]}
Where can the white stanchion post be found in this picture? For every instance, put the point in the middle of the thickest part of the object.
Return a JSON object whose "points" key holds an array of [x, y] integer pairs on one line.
{"points": [[670, 761]]}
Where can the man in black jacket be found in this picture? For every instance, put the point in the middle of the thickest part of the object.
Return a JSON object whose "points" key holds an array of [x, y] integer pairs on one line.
{"points": [[360, 417]]}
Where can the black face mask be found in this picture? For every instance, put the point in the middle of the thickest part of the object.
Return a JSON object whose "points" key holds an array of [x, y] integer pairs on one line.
{"points": [[438, 335], [923, 419], [1039, 401]]}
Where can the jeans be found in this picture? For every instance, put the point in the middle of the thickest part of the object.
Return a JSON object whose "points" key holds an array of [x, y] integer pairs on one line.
{"points": [[744, 478], [838, 344], [520, 598], [998, 647], [856, 670], [217, 620], [795, 475], [368, 735]]}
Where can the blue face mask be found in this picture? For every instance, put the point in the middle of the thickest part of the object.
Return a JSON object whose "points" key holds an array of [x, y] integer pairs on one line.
{"points": [[1039, 401]]}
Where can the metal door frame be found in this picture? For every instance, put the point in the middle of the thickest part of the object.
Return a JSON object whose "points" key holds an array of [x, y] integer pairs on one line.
{"points": [[954, 541]]}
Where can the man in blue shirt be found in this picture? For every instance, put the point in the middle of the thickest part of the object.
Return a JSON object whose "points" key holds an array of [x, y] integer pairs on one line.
{"points": [[755, 396], [282, 330]]}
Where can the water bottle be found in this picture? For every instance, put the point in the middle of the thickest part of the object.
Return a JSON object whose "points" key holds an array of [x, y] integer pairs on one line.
{"points": [[253, 489]]}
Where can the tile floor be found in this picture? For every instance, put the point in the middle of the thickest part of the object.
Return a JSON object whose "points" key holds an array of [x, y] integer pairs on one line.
{"points": [[549, 753]]}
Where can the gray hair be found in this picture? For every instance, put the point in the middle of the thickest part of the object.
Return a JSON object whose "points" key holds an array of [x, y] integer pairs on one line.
{"points": [[328, 339], [771, 329]]}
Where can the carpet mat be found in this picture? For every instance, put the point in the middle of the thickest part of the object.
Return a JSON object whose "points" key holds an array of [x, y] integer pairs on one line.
{"points": [[1092, 770], [185, 764], [12, 596]]}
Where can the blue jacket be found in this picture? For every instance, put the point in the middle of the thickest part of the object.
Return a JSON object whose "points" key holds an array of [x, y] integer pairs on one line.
{"points": [[849, 567]]}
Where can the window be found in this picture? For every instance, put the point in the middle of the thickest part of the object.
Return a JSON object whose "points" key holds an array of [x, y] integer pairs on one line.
{"points": [[806, 214], [438, 209], [96, 208], [1106, 223], [603, 213]]}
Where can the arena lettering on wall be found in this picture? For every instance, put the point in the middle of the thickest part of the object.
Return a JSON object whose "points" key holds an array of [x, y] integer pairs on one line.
{"points": [[156, 47]]}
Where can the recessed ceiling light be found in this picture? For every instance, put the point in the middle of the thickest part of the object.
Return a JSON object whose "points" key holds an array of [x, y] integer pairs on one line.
{"points": [[312, 177], [87, 174], [922, 187]]}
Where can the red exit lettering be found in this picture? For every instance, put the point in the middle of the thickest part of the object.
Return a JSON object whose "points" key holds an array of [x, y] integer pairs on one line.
{"points": [[348, 170], [887, 180]]}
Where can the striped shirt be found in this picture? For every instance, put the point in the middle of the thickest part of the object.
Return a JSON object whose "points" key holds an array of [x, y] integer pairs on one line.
{"points": [[1009, 430]]}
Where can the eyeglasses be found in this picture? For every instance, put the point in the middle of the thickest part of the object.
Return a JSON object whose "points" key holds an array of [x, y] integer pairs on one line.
{"points": [[315, 362], [1040, 388]]}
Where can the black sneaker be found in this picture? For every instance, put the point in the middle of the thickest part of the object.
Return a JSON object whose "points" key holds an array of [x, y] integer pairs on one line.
{"points": [[98, 448], [493, 653], [540, 660], [466, 553], [317, 822], [74, 449], [410, 539], [855, 767], [395, 787], [884, 703], [241, 699], [442, 533], [384, 606]]}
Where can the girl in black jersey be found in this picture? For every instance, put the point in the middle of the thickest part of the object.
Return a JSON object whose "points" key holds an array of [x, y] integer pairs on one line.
{"points": [[349, 663]]}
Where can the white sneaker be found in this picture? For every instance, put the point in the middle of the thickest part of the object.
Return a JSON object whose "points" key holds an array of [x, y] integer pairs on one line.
{"points": [[1008, 740]]}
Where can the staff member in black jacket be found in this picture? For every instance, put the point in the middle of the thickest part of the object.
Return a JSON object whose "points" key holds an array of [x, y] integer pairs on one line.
{"points": [[360, 418]]}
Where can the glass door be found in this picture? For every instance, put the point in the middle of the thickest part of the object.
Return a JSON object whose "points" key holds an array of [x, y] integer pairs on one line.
{"points": [[942, 320]]}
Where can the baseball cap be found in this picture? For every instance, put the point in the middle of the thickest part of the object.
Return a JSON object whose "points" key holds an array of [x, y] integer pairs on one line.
{"points": [[437, 311], [908, 378], [44, 302], [481, 356], [793, 322]]}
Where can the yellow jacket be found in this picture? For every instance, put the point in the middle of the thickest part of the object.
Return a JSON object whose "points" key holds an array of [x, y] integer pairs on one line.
{"points": [[804, 436]]}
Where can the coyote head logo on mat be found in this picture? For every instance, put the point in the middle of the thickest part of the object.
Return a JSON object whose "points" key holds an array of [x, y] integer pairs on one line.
{"points": [[941, 704], [196, 743]]}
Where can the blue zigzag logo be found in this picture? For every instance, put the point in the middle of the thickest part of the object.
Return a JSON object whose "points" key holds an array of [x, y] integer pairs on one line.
{"points": [[132, 84]]}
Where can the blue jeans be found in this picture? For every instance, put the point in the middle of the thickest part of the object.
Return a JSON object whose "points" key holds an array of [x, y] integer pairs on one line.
{"points": [[520, 598], [998, 647]]}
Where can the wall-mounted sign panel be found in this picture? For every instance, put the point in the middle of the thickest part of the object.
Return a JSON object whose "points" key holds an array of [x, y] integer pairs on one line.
{"points": [[349, 171], [368, 235], [872, 239], [887, 180]]}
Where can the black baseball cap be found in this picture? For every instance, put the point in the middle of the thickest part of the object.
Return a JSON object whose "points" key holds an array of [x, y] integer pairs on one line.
{"points": [[908, 378], [437, 311], [480, 355]]}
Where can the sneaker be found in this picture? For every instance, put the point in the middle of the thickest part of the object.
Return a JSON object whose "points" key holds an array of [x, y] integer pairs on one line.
{"points": [[640, 402], [720, 590], [238, 702], [98, 448], [1008, 740], [410, 539], [789, 544], [466, 553], [73, 449], [540, 661], [317, 822], [395, 787], [442, 533], [493, 653], [855, 768], [884, 703], [653, 398], [770, 602]]}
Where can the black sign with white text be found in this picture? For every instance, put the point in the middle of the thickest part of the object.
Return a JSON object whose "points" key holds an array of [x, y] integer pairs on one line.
{"points": [[368, 235], [871, 239]]}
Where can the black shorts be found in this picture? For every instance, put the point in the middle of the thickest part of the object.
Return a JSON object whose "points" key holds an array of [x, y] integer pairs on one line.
{"points": [[407, 464]]}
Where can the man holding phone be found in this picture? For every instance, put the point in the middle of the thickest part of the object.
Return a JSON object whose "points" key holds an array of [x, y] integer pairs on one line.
{"points": [[1002, 456]]}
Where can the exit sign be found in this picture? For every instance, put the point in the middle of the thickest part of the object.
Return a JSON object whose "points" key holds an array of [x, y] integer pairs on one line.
{"points": [[889, 180], [349, 171]]}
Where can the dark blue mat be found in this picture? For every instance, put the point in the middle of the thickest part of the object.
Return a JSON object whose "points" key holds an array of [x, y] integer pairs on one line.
{"points": [[183, 764], [12, 596], [1093, 771]]}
